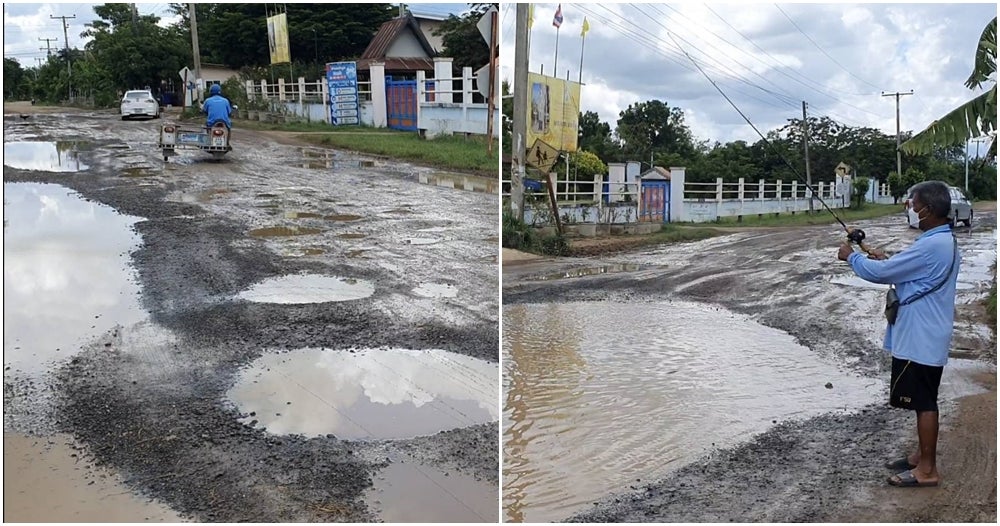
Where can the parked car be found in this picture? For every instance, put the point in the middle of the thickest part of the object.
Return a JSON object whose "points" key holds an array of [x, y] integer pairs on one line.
{"points": [[961, 208], [140, 103]]}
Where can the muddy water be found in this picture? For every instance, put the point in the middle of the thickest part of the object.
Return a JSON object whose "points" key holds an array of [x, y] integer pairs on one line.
{"points": [[410, 492], [598, 395], [66, 274], [43, 156], [48, 479], [307, 288], [367, 393]]}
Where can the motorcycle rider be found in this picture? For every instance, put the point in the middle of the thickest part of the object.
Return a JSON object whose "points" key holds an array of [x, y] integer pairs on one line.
{"points": [[217, 107]]}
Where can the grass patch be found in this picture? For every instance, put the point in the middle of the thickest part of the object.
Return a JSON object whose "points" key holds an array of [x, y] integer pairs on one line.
{"points": [[306, 127], [671, 233], [819, 217], [453, 153]]}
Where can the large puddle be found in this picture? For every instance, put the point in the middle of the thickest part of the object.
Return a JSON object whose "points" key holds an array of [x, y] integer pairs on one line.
{"points": [[43, 156], [410, 492], [307, 288], [47, 479], [598, 395], [366, 394], [66, 273]]}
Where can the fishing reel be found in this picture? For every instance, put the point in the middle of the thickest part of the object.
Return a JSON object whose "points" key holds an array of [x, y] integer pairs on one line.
{"points": [[855, 235]]}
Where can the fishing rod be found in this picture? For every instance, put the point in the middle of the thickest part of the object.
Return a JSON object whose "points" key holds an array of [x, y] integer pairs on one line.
{"points": [[854, 234]]}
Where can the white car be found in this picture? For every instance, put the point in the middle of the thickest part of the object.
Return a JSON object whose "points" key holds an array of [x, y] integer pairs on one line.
{"points": [[961, 208], [140, 103]]}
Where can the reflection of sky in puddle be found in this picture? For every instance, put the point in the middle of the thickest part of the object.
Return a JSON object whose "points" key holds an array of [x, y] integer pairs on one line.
{"points": [[307, 288], [436, 290], [65, 273], [599, 394], [367, 394], [43, 156]]}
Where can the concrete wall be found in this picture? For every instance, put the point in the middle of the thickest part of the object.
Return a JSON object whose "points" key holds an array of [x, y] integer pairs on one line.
{"points": [[539, 214]]}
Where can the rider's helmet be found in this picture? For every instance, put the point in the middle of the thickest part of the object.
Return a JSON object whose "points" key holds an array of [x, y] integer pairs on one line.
{"points": [[215, 89]]}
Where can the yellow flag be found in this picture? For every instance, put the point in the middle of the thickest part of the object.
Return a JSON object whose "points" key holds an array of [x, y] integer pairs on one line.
{"points": [[531, 15], [586, 27]]}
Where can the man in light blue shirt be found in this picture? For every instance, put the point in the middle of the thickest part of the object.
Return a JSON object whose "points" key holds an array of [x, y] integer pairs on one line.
{"points": [[925, 276]]}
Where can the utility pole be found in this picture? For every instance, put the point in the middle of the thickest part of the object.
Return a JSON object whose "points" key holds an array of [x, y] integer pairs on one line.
{"points": [[48, 45], [491, 91], [805, 143], [135, 20], [520, 124], [195, 51], [899, 155], [69, 68]]}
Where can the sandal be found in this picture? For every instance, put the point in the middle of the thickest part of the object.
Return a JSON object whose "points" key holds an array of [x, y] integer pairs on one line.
{"points": [[902, 464], [907, 479]]}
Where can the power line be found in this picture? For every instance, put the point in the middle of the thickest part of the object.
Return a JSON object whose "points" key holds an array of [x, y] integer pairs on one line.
{"points": [[823, 50]]}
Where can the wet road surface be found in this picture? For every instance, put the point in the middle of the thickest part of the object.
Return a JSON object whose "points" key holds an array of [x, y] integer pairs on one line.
{"points": [[162, 285], [711, 380]]}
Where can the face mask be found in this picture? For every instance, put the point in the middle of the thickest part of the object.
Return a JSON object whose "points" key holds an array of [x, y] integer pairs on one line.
{"points": [[914, 217]]}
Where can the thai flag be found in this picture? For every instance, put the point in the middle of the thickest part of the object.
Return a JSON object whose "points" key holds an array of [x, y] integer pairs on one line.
{"points": [[558, 19]]}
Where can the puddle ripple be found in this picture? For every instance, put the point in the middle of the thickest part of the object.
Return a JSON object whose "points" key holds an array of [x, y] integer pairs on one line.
{"points": [[600, 394], [307, 288], [366, 394]]}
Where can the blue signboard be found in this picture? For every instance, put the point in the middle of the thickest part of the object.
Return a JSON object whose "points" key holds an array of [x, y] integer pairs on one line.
{"points": [[342, 81]]}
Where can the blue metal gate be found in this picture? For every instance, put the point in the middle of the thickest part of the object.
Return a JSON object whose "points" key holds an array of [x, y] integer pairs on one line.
{"points": [[401, 104], [655, 202]]}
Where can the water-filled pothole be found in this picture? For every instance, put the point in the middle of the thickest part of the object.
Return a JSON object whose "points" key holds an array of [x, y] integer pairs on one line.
{"points": [[66, 273], [599, 394], [307, 288], [284, 231], [436, 290], [401, 493], [421, 241], [366, 394], [351, 235], [302, 215], [342, 217], [43, 156], [588, 271]]}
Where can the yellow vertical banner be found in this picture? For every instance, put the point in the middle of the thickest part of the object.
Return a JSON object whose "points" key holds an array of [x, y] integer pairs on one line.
{"points": [[554, 112], [277, 39]]}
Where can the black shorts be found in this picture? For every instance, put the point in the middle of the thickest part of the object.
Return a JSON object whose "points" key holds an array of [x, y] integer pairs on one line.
{"points": [[914, 386]]}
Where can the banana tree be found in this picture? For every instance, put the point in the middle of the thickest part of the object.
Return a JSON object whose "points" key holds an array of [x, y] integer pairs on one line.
{"points": [[978, 117]]}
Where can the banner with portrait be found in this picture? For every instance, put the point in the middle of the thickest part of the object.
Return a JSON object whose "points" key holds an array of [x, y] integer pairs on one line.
{"points": [[277, 39], [553, 111]]}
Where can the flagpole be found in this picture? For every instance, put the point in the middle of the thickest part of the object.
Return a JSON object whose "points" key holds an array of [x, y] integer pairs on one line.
{"points": [[555, 68], [583, 42]]}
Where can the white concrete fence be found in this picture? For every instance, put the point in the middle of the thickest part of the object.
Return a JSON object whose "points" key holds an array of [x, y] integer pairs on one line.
{"points": [[444, 102], [621, 201]]}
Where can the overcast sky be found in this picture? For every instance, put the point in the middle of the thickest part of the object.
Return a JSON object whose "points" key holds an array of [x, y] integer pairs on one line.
{"points": [[767, 58], [25, 22]]}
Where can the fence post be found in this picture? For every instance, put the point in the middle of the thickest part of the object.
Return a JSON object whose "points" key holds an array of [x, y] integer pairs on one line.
{"points": [[379, 114], [325, 94], [281, 89], [718, 189], [760, 189], [677, 212], [421, 95], [777, 193], [819, 189], [302, 89], [443, 74]]}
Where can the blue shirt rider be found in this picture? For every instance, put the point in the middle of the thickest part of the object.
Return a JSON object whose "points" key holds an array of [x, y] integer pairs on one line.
{"points": [[217, 107]]}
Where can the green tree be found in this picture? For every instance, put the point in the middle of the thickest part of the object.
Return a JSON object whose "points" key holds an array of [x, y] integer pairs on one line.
{"points": [[13, 79], [652, 127], [595, 136], [859, 187], [977, 117]]}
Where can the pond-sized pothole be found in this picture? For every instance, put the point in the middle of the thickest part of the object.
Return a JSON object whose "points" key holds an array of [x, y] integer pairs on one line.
{"points": [[307, 288], [43, 156], [599, 394], [284, 231], [302, 215], [66, 273], [366, 394], [436, 290], [351, 235]]}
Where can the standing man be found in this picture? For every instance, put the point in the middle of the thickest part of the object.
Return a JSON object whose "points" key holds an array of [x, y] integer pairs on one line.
{"points": [[925, 276]]}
